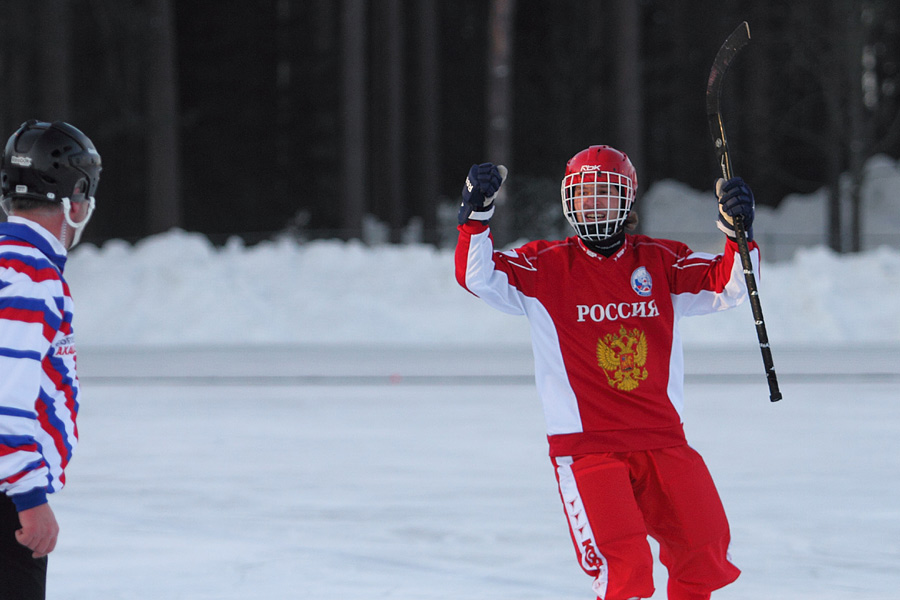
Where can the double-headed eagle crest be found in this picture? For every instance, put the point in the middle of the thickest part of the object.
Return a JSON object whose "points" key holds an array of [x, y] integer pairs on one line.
{"points": [[622, 357]]}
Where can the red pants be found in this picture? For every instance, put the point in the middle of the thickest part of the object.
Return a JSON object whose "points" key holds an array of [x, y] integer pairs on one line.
{"points": [[615, 500]]}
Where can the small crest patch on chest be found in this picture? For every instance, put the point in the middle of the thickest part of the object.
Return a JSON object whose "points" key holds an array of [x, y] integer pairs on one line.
{"points": [[641, 282]]}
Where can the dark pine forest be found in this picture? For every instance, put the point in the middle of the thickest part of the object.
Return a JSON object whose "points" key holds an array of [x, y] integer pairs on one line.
{"points": [[311, 116]]}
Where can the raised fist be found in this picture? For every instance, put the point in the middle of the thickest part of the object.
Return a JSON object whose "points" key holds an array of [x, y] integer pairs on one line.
{"points": [[478, 193]]}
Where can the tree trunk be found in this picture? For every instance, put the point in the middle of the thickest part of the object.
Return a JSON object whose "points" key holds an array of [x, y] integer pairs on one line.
{"points": [[628, 89], [396, 119], [428, 155], [762, 134], [860, 134], [499, 95], [354, 162], [834, 91], [54, 59], [164, 190]]}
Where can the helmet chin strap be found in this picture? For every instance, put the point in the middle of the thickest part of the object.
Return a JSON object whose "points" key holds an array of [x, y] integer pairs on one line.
{"points": [[78, 228]]}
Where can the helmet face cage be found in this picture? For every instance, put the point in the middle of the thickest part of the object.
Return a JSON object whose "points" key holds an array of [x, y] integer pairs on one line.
{"points": [[598, 192]]}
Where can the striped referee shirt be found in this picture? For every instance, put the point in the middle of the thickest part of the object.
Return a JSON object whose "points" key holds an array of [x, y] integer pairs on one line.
{"points": [[39, 389]]}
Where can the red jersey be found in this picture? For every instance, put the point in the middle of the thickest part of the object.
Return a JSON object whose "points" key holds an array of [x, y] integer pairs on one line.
{"points": [[609, 365]]}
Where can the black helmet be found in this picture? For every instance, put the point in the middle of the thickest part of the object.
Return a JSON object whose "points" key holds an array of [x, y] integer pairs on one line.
{"points": [[49, 161]]}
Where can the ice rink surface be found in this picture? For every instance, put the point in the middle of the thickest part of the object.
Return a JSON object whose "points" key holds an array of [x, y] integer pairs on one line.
{"points": [[419, 473]]}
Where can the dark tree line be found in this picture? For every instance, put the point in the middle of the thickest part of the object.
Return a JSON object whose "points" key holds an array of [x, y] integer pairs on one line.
{"points": [[308, 115]]}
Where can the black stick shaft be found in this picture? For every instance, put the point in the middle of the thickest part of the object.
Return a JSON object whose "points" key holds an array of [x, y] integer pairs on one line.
{"points": [[761, 333], [735, 42]]}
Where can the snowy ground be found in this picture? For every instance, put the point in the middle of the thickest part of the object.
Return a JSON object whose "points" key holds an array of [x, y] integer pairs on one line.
{"points": [[337, 472]]}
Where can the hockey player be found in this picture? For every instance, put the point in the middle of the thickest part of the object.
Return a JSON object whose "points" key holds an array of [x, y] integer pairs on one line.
{"points": [[604, 307], [49, 176]]}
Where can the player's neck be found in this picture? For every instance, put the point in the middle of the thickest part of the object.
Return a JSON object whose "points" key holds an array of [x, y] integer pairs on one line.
{"points": [[608, 246]]}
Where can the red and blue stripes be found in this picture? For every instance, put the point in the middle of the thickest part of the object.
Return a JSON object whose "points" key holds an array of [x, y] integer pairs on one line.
{"points": [[39, 391]]}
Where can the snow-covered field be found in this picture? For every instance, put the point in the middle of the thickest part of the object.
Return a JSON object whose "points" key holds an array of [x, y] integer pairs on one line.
{"points": [[323, 421], [332, 473]]}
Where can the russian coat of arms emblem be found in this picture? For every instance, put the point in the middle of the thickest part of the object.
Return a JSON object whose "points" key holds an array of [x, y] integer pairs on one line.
{"points": [[623, 356]]}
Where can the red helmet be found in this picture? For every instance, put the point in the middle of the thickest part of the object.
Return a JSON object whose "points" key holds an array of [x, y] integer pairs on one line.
{"points": [[598, 192]]}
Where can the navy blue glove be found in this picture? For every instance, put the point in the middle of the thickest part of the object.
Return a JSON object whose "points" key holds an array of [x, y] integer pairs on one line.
{"points": [[479, 191], [735, 199]]}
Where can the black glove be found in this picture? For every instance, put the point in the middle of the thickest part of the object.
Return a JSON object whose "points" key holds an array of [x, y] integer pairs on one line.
{"points": [[479, 191], [735, 199]]}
